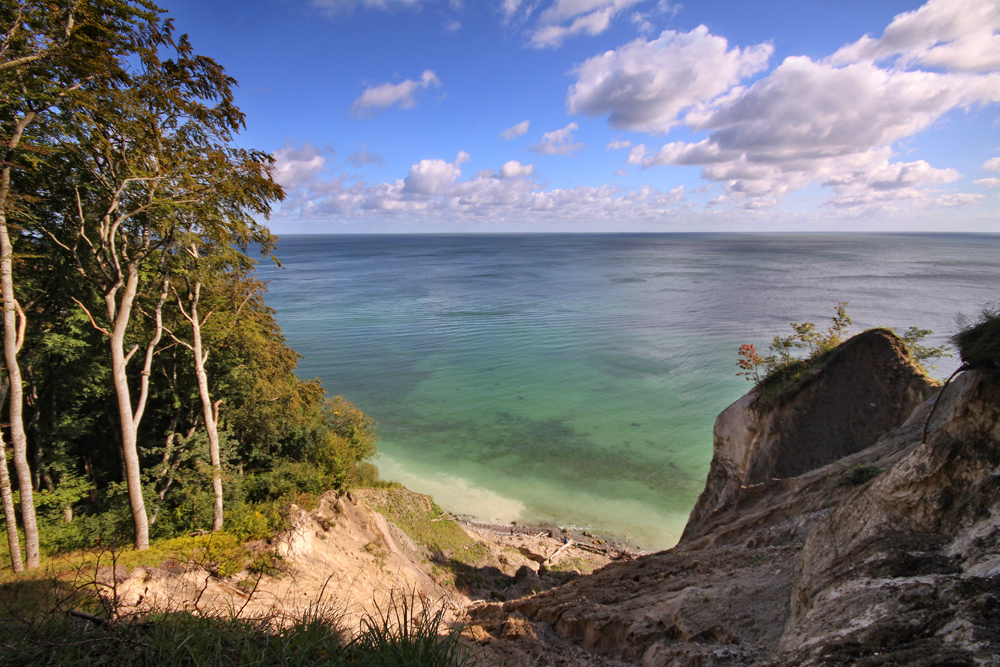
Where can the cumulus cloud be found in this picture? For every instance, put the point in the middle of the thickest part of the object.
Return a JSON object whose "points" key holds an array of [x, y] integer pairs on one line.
{"points": [[516, 130], [434, 189], [993, 164], [571, 17], [618, 144], [388, 94], [514, 169], [558, 142], [432, 177], [645, 85], [991, 183], [813, 122], [294, 167], [958, 35]]}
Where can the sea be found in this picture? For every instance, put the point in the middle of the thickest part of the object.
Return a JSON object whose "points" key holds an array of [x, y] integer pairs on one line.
{"points": [[574, 379]]}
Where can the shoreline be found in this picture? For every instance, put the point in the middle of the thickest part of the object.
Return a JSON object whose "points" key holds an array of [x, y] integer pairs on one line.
{"points": [[580, 538]]}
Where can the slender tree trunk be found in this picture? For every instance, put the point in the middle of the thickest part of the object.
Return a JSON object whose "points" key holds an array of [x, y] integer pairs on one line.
{"points": [[211, 423], [119, 315], [12, 339], [8, 498]]}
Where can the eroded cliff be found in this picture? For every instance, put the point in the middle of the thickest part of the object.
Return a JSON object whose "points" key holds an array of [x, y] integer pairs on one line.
{"points": [[828, 533]]}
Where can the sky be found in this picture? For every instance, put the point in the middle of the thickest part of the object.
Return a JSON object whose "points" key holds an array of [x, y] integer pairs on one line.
{"points": [[434, 116]]}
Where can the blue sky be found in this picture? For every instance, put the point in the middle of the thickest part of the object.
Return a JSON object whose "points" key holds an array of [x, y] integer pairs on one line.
{"points": [[617, 115]]}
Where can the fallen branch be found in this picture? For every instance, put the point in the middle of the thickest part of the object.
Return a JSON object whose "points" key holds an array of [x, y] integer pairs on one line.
{"points": [[90, 617], [548, 561]]}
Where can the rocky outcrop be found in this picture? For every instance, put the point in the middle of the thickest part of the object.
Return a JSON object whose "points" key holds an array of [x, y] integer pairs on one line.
{"points": [[908, 567], [874, 549], [865, 388]]}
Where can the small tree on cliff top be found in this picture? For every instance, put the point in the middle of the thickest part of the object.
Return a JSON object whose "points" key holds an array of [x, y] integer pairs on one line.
{"points": [[782, 361]]}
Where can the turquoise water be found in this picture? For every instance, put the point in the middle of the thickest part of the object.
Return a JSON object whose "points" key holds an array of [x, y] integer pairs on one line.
{"points": [[576, 378]]}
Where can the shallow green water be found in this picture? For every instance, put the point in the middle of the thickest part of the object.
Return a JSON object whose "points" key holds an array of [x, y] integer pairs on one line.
{"points": [[576, 378]]}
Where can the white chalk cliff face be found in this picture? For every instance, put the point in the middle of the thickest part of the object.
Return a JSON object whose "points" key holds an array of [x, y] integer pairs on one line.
{"points": [[827, 534], [865, 388]]}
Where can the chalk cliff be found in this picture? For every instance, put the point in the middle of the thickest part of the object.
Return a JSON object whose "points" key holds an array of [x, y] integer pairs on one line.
{"points": [[828, 533]]}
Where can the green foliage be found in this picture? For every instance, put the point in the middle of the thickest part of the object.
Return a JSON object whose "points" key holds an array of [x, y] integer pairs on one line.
{"points": [[978, 343], [773, 374], [419, 518], [346, 439], [782, 369], [923, 356]]}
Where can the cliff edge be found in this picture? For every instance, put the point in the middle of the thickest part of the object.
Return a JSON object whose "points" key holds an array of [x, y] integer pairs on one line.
{"points": [[828, 533]]}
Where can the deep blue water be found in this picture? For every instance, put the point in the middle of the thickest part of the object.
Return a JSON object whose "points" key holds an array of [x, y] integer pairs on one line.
{"points": [[576, 378]]}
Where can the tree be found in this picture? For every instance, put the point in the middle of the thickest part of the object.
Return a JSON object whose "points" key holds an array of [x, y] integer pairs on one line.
{"points": [[145, 157], [48, 50], [251, 191]]}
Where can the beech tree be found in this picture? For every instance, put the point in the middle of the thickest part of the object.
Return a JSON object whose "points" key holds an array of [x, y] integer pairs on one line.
{"points": [[226, 223], [48, 50], [145, 155]]}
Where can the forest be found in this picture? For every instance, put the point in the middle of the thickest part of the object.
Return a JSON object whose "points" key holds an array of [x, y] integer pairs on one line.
{"points": [[147, 390]]}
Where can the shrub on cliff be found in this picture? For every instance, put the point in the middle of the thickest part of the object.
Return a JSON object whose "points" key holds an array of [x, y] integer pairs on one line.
{"points": [[979, 343], [775, 373]]}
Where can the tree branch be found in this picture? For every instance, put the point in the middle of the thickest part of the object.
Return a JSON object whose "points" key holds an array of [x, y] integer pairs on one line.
{"points": [[22, 321], [92, 321]]}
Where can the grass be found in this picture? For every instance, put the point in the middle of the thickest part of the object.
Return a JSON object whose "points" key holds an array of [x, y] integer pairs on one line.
{"points": [[63, 615], [421, 519], [787, 376], [405, 634]]}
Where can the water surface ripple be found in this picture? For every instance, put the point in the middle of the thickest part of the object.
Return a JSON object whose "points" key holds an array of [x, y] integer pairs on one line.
{"points": [[575, 378]]}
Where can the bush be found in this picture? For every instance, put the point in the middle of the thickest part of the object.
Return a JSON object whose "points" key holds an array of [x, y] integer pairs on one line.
{"points": [[979, 343], [775, 373]]}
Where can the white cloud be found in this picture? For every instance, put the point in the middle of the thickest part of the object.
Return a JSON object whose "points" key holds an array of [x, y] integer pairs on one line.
{"points": [[958, 199], [558, 142], [510, 8], [432, 177], [516, 130], [961, 35], [811, 122], [433, 190], [618, 144], [514, 169], [571, 17], [335, 7], [991, 183], [643, 20], [388, 94], [993, 164], [645, 85], [294, 167]]}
